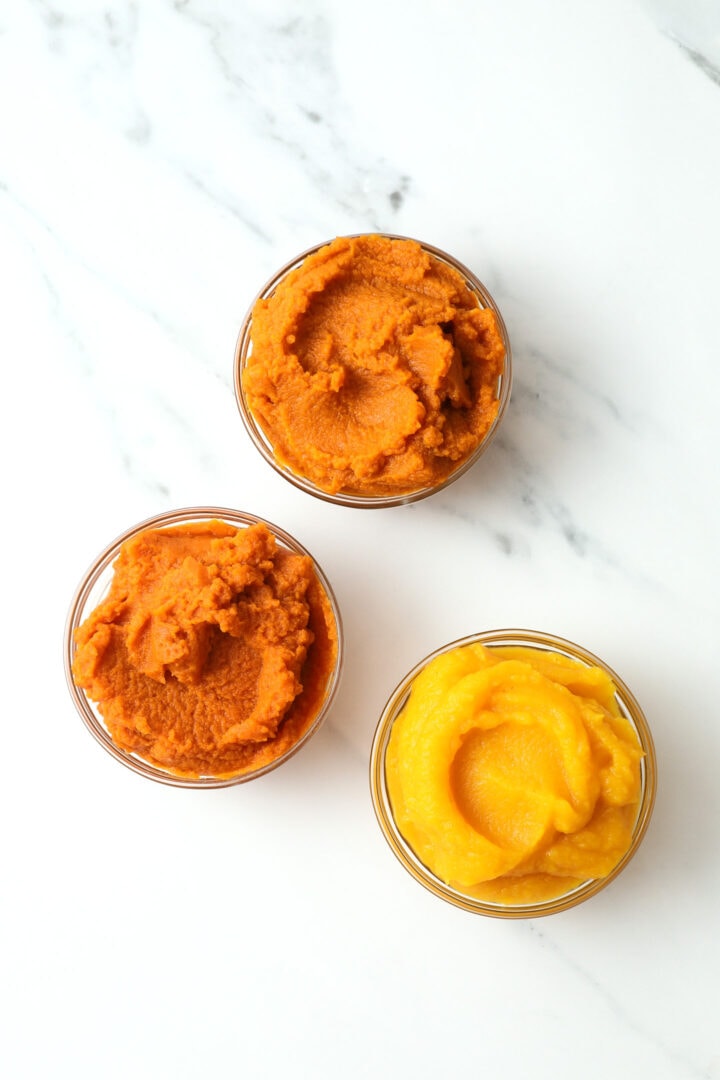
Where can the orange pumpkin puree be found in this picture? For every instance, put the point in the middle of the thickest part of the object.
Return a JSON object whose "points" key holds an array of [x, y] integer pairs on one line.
{"points": [[512, 774], [211, 653], [373, 370]]}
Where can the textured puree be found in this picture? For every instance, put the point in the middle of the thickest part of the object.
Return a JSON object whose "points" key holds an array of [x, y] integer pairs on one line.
{"points": [[512, 774], [211, 653], [373, 370]]}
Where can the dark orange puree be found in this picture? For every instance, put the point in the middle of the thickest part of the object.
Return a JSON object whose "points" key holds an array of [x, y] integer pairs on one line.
{"points": [[373, 370], [211, 653]]}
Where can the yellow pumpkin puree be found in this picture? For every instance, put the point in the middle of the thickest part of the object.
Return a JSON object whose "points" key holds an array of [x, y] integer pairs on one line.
{"points": [[373, 370], [512, 774], [211, 653]]}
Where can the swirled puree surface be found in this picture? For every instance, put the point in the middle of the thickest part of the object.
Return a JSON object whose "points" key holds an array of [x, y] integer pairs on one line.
{"points": [[373, 370], [511, 773], [211, 653]]}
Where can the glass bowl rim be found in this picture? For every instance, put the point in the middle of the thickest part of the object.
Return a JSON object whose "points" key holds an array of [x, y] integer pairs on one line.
{"points": [[262, 443], [76, 614], [630, 708]]}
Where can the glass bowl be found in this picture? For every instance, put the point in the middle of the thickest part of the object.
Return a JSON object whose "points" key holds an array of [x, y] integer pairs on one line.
{"points": [[93, 589], [629, 708], [262, 442]]}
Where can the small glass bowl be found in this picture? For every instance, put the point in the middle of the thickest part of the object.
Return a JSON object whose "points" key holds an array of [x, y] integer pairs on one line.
{"points": [[93, 589], [243, 349], [629, 708]]}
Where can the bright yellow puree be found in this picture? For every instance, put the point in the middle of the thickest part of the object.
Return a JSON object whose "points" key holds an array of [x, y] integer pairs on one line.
{"points": [[512, 774]]}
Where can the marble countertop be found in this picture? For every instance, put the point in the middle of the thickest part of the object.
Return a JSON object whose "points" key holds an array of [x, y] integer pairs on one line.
{"points": [[158, 162]]}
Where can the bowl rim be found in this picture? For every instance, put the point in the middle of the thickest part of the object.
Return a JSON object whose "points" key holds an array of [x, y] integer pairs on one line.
{"points": [[77, 612], [630, 708], [262, 442]]}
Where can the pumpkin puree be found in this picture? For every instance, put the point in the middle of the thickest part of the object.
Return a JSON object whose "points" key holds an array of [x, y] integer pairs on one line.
{"points": [[512, 774], [211, 653], [373, 370]]}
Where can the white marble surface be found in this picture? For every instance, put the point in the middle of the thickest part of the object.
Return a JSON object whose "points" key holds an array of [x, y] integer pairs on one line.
{"points": [[158, 161]]}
